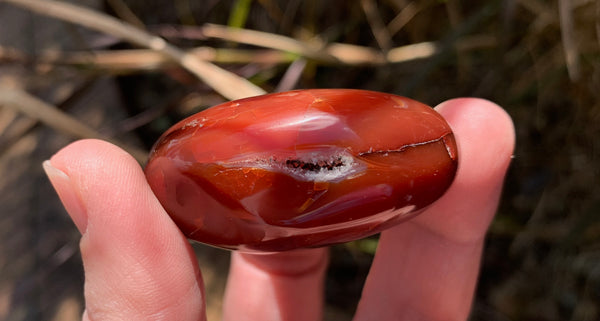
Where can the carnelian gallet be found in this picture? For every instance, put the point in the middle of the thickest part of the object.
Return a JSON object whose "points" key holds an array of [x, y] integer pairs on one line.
{"points": [[303, 168]]}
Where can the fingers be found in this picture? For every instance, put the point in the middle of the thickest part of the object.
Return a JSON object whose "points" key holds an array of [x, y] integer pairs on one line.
{"points": [[138, 265], [280, 286], [426, 269]]}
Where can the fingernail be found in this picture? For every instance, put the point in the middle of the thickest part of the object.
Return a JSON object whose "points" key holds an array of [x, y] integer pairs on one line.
{"points": [[68, 195]]}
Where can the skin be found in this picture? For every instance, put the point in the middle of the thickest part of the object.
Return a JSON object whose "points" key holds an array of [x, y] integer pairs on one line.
{"points": [[138, 265]]}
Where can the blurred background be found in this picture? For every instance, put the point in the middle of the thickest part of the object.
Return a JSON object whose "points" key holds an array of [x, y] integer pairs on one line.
{"points": [[539, 59]]}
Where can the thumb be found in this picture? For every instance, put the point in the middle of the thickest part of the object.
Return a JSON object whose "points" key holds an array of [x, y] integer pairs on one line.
{"points": [[138, 266]]}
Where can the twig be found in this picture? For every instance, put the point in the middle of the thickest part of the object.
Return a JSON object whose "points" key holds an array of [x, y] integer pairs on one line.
{"points": [[267, 40], [332, 53], [568, 39], [291, 76], [53, 117], [416, 51], [226, 83], [380, 31], [543, 13], [463, 62], [23, 125], [356, 55], [124, 12], [132, 60], [403, 17], [598, 21], [129, 60]]}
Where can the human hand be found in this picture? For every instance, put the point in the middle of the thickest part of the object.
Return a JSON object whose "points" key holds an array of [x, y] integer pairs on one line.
{"points": [[138, 265]]}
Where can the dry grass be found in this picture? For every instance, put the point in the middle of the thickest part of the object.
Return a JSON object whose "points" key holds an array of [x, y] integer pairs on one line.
{"points": [[539, 59]]}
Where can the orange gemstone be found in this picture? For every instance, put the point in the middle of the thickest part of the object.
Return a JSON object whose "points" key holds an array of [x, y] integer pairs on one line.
{"points": [[302, 168]]}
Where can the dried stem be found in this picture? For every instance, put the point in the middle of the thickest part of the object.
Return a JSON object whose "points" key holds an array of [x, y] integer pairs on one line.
{"points": [[226, 83], [53, 117], [380, 32], [568, 39]]}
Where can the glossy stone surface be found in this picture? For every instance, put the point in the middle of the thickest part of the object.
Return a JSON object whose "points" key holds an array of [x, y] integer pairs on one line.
{"points": [[303, 168]]}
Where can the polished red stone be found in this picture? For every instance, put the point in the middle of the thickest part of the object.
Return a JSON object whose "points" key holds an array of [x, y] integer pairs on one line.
{"points": [[303, 168]]}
